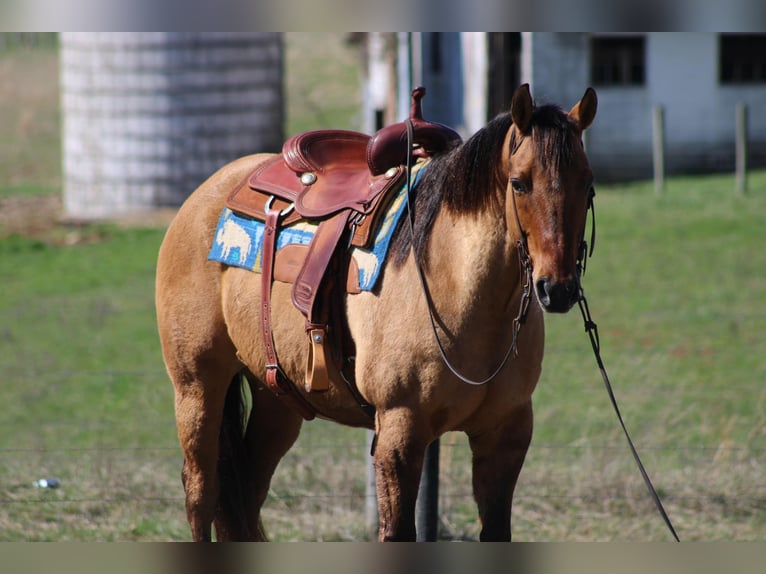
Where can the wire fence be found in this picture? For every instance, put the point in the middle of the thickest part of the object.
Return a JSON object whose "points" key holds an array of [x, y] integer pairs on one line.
{"points": [[119, 473], [309, 497], [80, 457], [563, 453]]}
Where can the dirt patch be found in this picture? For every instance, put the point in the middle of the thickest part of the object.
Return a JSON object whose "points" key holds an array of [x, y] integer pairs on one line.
{"points": [[43, 216], [29, 214]]}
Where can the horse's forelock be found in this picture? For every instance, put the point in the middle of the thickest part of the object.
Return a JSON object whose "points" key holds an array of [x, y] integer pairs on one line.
{"points": [[553, 133]]}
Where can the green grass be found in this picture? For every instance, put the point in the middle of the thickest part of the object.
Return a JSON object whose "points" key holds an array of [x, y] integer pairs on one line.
{"points": [[77, 329]]}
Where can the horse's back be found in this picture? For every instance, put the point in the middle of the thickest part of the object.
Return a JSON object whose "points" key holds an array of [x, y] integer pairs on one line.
{"points": [[198, 215]]}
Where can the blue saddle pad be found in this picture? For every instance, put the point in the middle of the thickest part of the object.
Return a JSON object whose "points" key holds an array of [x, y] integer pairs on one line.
{"points": [[238, 240]]}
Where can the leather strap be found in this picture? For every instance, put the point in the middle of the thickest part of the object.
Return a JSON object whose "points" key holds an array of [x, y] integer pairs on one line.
{"points": [[307, 285], [276, 379], [312, 294], [525, 270], [592, 330]]}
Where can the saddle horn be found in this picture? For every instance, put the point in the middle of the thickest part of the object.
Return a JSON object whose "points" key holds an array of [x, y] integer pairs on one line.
{"points": [[388, 147]]}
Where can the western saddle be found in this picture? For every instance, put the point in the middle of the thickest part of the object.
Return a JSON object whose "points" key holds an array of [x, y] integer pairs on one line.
{"points": [[342, 181]]}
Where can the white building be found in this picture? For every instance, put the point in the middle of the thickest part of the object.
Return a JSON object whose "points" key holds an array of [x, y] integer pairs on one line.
{"points": [[697, 78]]}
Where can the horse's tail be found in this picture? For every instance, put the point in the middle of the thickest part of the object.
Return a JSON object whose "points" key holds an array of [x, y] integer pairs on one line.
{"points": [[231, 521]]}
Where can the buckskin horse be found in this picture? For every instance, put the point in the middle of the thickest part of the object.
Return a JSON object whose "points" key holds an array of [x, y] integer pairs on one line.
{"points": [[494, 220]]}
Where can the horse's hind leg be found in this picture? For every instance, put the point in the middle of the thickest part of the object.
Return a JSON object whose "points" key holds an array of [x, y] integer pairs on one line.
{"points": [[199, 410], [201, 364], [498, 456], [227, 468]]}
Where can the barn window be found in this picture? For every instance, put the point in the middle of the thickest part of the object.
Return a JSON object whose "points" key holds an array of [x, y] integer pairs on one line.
{"points": [[742, 58], [618, 60]]}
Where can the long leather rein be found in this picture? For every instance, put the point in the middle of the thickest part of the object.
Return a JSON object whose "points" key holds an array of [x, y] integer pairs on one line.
{"points": [[526, 269], [592, 329]]}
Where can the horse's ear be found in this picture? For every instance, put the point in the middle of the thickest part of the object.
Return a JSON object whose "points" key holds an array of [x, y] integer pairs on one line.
{"points": [[584, 111], [521, 108]]}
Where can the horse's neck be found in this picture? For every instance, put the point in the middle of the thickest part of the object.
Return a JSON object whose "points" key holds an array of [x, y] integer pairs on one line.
{"points": [[473, 265]]}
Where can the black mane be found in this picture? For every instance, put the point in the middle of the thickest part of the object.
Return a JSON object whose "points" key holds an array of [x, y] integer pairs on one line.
{"points": [[464, 178]]}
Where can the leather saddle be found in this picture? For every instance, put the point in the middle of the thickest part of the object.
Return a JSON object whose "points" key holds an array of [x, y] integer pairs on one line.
{"points": [[342, 181]]}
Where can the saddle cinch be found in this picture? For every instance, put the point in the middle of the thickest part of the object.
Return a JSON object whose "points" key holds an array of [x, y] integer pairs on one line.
{"points": [[342, 181]]}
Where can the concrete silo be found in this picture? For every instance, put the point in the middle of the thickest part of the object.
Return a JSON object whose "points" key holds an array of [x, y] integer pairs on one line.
{"points": [[147, 116]]}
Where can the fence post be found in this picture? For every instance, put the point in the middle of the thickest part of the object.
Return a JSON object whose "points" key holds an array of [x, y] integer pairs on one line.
{"points": [[741, 148], [427, 507], [658, 148], [371, 496]]}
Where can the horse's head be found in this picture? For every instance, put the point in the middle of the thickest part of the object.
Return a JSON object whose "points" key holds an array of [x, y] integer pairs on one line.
{"points": [[549, 187]]}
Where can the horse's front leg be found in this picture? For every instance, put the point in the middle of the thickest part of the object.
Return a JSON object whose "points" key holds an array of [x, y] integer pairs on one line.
{"points": [[498, 456], [399, 453]]}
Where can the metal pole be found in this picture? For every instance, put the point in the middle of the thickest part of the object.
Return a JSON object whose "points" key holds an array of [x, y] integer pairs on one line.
{"points": [[371, 497], [741, 148], [427, 507]]}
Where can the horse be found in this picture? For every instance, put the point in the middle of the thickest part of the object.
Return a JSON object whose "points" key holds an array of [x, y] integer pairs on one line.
{"points": [[515, 193]]}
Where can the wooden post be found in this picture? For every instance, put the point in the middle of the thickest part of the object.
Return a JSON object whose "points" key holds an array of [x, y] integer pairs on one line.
{"points": [[427, 508], [658, 148], [741, 148]]}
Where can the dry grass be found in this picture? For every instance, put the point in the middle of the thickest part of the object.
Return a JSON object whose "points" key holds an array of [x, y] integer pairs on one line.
{"points": [[318, 495]]}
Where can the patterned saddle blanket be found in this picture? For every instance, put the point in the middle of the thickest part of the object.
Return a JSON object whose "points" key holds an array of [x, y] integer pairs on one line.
{"points": [[238, 240]]}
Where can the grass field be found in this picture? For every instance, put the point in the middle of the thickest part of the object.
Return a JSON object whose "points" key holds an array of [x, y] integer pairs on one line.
{"points": [[676, 285]]}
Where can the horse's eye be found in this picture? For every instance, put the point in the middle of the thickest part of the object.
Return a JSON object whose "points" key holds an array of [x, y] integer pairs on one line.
{"points": [[518, 186]]}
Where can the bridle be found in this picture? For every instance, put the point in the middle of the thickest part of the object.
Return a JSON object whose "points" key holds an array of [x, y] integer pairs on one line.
{"points": [[526, 270]]}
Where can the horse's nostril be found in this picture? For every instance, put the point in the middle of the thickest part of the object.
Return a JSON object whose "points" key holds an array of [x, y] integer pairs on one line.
{"points": [[543, 286], [557, 297]]}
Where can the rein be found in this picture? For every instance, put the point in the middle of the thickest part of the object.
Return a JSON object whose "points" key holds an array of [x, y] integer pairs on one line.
{"points": [[592, 329], [525, 264]]}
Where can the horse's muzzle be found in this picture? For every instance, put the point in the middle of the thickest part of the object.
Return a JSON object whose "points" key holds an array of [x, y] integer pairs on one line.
{"points": [[558, 297]]}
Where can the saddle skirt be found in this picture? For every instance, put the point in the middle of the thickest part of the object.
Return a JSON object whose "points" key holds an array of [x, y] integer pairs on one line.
{"points": [[238, 240]]}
